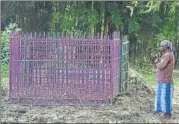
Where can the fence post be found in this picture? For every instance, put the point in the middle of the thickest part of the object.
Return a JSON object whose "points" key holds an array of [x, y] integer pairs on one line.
{"points": [[124, 62], [115, 67], [14, 56]]}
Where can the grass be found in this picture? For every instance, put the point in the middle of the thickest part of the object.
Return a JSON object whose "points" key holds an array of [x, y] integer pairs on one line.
{"points": [[5, 78], [5, 81], [176, 77], [4, 70], [150, 77]]}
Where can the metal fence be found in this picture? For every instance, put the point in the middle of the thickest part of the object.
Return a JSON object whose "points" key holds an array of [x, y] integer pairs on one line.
{"points": [[53, 69], [124, 63]]}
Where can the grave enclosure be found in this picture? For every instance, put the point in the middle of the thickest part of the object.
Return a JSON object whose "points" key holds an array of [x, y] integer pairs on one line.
{"points": [[56, 69]]}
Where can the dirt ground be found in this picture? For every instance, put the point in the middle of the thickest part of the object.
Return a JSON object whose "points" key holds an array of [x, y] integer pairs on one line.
{"points": [[136, 105]]}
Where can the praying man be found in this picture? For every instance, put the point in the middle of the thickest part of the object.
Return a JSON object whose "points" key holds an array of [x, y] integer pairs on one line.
{"points": [[164, 78]]}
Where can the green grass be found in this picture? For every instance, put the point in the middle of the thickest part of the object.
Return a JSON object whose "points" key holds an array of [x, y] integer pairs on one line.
{"points": [[4, 70], [176, 77], [150, 77], [5, 77], [5, 81]]}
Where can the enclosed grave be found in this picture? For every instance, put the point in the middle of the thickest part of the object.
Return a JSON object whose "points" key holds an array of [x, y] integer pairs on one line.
{"points": [[56, 69]]}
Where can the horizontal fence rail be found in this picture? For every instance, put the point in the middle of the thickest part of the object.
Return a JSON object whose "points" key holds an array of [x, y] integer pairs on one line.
{"points": [[52, 69]]}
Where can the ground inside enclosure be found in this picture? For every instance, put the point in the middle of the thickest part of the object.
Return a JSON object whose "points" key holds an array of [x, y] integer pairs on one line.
{"points": [[136, 105]]}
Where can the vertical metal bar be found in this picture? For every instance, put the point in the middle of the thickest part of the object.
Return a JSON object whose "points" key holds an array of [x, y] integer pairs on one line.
{"points": [[45, 73], [20, 60], [65, 68], [83, 61], [28, 57], [47, 69], [35, 61], [87, 66], [62, 61], [58, 57], [95, 63], [40, 60], [93, 60], [120, 65], [86, 57], [31, 59], [110, 50], [127, 43], [10, 65], [25, 59], [51, 84], [69, 62], [36, 83], [50, 40], [98, 66], [48, 58], [52, 58], [67, 50], [95, 67], [103, 67], [106, 60], [19, 63], [79, 66]]}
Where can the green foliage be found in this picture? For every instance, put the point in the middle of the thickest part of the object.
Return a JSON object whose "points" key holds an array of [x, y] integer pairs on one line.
{"points": [[4, 70], [5, 35], [153, 6], [169, 30], [146, 21], [133, 26], [5, 47], [93, 17], [166, 33], [173, 8], [116, 17]]}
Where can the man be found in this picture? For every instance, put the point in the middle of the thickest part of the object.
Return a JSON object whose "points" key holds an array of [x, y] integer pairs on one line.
{"points": [[164, 72]]}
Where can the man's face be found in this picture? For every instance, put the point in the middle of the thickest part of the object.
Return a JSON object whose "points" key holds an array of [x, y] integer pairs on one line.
{"points": [[162, 48]]}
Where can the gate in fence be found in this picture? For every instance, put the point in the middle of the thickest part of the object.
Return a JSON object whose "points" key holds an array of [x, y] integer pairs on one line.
{"points": [[54, 69]]}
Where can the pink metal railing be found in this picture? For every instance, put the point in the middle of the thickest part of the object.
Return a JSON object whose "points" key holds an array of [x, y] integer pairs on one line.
{"points": [[63, 70]]}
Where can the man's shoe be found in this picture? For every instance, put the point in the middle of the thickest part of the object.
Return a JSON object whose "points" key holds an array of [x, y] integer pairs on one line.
{"points": [[168, 115]]}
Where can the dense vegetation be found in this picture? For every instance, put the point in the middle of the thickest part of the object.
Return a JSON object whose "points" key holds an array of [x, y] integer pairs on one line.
{"points": [[146, 23]]}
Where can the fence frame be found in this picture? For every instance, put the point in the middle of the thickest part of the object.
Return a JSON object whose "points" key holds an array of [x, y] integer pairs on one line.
{"points": [[115, 74]]}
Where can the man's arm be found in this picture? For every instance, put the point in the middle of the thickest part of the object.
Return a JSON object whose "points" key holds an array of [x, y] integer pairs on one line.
{"points": [[162, 64]]}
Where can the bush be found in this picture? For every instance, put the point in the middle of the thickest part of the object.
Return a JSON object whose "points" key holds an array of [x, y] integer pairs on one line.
{"points": [[5, 35], [5, 48]]}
